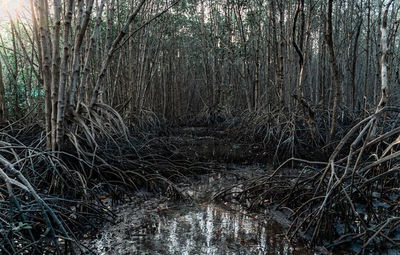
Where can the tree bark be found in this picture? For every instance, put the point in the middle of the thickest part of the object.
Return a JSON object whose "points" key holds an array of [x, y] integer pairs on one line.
{"points": [[384, 74], [61, 100], [85, 72], [55, 71], [334, 69], [3, 110], [80, 29], [366, 72], [354, 66], [46, 53]]}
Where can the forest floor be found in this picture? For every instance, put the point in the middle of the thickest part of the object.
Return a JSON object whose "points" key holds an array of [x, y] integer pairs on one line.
{"points": [[219, 187], [157, 224], [220, 216]]}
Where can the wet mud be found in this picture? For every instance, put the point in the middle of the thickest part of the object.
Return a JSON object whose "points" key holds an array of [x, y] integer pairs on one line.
{"points": [[158, 225]]}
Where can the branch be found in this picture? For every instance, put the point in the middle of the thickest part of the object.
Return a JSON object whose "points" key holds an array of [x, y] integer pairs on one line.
{"points": [[144, 25]]}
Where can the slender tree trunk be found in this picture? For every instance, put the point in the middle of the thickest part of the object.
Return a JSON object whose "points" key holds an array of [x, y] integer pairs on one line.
{"points": [[384, 74], [15, 71], [55, 71], [61, 100], [281, 75], [298, 48], [335, 71], [80, 29], [366, 72], [30, 59], [89, 51], [46, 53], [354, 65], [377, 58], [322, 63], [3, 110], [110, 52]]}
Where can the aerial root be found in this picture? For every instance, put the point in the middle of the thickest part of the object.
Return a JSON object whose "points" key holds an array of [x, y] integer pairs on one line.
{"points": [[49, 200], [350, 199]]}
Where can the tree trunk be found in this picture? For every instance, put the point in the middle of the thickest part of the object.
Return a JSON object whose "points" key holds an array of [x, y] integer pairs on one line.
{"points": [[46, 53], [61, 100], [335, 71], [384, 74], [353, 67], [366, 72], [110, 52], [55, 71], [80, 29], [3, 111]]}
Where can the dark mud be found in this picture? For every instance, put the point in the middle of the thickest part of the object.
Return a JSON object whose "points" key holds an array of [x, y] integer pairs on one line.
{"points": [[205, 144], [157, 225]]}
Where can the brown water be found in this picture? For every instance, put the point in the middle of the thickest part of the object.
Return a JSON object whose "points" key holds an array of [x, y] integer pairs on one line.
{"points": [[156, 225]]}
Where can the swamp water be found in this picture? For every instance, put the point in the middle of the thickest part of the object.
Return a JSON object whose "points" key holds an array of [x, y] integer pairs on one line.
{"points": [[156, 225]]}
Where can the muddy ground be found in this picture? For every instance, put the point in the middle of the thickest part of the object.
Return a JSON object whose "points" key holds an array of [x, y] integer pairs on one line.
{"points": [[158, 224], [155, 224], [162, 223]]}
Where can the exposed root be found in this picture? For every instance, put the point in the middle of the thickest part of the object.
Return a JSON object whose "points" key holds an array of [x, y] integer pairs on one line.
{"points": [[353, 199], [50, 200]]}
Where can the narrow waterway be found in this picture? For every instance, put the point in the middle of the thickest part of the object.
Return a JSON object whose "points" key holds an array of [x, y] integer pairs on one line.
{"points": [[158, 225], [211, 229]]}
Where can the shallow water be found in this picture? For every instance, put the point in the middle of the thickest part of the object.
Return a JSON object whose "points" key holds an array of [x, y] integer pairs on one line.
{"points": [[212, 229], [157, 225], [198, 229]]}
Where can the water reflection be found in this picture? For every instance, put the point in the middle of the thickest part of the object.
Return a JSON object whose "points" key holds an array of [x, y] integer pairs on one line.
{"points": [[203, 228], [211, 229]]}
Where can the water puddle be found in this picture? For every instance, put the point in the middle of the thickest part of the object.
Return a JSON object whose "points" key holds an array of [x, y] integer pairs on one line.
{"points": [[159, 226], [212, 229]]}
